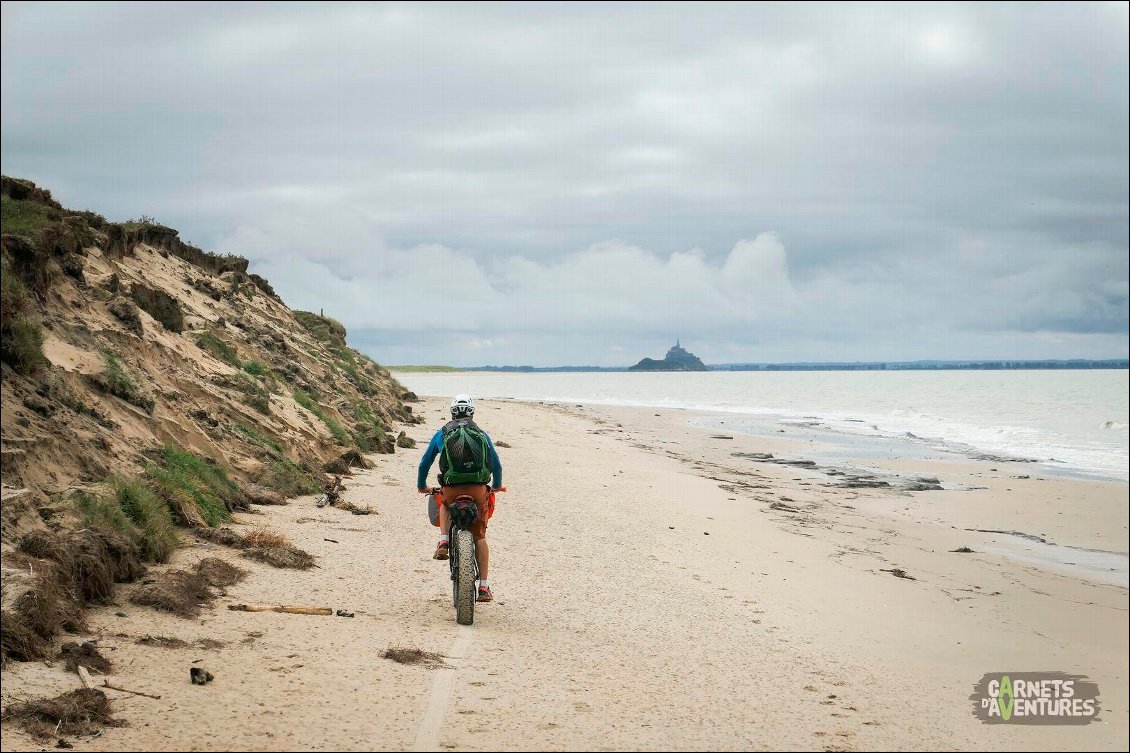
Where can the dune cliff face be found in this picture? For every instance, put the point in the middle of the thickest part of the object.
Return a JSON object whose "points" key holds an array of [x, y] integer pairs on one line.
{"points": [[119, 339]]}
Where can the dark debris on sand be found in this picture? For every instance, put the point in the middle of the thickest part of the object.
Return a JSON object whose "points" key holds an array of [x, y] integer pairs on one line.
{"points": [[401, 655], [161, 641], [278, 556], [80, 712], [176, 591], [223, 536], [282, 556], [51, 577], [86, 654], [219, 573]]}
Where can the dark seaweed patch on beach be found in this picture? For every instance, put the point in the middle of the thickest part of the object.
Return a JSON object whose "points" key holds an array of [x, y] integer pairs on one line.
{"points": [[80, 712], [400, 655], [86, 655], [176, 591]]}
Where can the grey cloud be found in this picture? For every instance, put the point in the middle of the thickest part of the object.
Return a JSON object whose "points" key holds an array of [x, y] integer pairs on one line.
{"points": [[929, 168]]}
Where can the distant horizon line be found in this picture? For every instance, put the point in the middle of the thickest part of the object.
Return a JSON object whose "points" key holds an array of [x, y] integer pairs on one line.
{"points": [[922, 364]]}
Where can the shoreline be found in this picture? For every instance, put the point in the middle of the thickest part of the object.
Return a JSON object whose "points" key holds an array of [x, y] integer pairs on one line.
{"points": [[832, 441], [653, 592], [974, 492], [866, 427]]}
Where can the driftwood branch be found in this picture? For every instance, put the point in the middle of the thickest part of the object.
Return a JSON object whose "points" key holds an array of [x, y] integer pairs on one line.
{"points": [[324, 611], [84, 676], [106, 684]]}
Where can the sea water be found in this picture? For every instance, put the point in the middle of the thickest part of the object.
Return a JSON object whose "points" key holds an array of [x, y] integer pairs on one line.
{"points": [[1073, 421]]}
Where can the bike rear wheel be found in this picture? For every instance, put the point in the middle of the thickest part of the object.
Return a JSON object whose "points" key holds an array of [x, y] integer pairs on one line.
{"points": [[465, 571]]}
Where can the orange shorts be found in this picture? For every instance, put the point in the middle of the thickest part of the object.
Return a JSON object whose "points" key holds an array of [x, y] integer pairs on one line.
{"points": [[484, 500]]}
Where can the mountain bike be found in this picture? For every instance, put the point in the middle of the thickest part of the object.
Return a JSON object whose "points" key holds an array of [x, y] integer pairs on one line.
{"points": [[463, 559]]}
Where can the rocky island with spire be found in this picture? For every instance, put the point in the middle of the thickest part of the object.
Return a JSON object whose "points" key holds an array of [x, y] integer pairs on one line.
{"points": [[677, 359]]}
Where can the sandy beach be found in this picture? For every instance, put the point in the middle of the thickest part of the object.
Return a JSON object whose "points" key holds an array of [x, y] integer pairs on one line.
{"points": [[653, 591]]}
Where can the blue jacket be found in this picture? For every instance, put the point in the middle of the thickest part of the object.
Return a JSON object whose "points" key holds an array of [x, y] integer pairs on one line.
{"points": [[435, 447]]}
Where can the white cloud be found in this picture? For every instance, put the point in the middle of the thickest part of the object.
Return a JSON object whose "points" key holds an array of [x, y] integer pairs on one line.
{"points": [[609, 286]]}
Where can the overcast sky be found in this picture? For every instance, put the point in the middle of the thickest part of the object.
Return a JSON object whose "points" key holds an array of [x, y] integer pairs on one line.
{"points": [[581, 184]]}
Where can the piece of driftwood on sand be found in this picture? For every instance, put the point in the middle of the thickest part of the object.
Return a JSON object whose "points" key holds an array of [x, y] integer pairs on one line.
{"points": [[323, 611], [106, 684]]}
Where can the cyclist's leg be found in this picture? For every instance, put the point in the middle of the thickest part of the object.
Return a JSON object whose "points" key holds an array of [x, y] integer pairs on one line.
{"points": [[443, 547], [482, 554], [444, 518], [482, 549]]}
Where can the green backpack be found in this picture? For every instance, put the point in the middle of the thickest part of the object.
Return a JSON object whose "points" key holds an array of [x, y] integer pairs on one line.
{"points": [[465, 458]]}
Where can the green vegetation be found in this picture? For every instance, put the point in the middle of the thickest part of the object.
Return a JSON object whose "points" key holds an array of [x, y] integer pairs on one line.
{"points": [[329, 331], [267, 377], [307, 402], [91, 218], [254, 394], [25, 217], [244, 287], [218, 348], [254, 368], [288, 479], [349, 366], [21, 339], [153, 518], [78, 405], [194, 488], [150, 515], [14, 298], [142, 221], [316, 355], [135, 512], [99, 512], [259, 439], [364, 414], [258, 399], [117, 381], [369, 430], [363, 385], [21, 345]]}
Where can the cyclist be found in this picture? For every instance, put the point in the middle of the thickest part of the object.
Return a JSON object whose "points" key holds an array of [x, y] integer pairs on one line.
{"points": [[462, 443]]}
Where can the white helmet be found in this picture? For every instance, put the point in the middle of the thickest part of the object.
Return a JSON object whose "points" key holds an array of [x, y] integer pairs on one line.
{"points": [[462, 406]]}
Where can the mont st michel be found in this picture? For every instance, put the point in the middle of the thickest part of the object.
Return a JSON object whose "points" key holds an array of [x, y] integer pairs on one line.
{"points": [[678, 358]]}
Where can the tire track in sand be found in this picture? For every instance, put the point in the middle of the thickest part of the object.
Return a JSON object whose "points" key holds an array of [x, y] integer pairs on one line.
{"points": [[427, 735]]}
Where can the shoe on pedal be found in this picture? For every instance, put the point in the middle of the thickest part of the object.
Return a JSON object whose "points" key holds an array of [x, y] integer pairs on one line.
{"points": [[443, 551]]}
